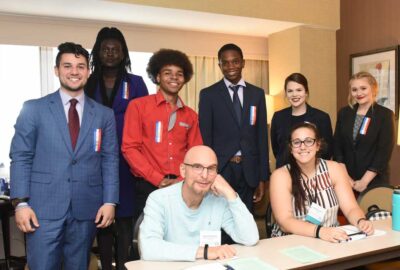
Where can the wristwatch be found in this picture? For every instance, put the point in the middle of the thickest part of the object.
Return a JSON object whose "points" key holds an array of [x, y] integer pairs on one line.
{"points": [[17, 201]]}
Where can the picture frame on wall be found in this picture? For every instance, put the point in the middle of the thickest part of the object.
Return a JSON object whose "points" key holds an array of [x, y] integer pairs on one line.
{"points": [[383, 65]]}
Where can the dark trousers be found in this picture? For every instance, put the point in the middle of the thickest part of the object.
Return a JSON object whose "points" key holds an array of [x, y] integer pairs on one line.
{"points": [[143, 190], [105, 242], [123, 238], [233, 173], [120, 234]]}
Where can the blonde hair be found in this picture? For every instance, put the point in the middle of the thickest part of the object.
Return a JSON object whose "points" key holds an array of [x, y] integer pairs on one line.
{"points": [[371, 81]]}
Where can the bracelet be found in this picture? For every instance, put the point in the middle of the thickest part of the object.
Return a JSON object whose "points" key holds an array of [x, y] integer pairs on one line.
{"points": [[317, 231], [206, 252], [359, 220]]}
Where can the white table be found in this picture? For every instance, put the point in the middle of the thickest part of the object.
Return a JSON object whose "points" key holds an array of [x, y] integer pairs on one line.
{"points": [[340, 256]]}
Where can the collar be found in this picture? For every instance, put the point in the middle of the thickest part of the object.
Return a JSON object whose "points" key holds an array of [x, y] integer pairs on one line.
{"points": [[228, 83], [370, 110], [160, 99], [65, 97]]}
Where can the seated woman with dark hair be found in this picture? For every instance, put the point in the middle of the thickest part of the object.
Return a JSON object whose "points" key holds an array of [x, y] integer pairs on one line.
{"points": [[307, 193]]}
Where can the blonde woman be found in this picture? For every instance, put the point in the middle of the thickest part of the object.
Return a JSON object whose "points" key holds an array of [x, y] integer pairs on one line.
{"points": [[364, 134]]}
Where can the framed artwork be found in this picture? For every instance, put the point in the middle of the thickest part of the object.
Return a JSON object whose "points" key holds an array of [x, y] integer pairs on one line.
{"points": [[383, 65]]}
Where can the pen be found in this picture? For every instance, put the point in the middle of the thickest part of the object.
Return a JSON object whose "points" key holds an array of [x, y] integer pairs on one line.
{"points": [[354, 236], [228, 267], [356, 233]]}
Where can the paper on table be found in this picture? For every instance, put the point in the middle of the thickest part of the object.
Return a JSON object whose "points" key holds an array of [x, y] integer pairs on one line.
{"points": [[349, 229], [303, 254], [252, 263], [207, 266]]}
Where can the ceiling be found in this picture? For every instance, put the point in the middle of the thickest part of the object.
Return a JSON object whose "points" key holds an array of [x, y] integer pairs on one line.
{"points": [[101, 10]]}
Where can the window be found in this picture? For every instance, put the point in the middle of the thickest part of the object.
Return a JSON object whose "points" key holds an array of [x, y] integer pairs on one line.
{"points": [[20, 81], [27, 72], [139, 62]]}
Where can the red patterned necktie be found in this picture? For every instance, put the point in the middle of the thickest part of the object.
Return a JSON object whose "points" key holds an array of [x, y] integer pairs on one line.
{"points": [[73, 122]]}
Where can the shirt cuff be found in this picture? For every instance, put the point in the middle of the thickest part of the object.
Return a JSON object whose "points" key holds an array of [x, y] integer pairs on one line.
{"points": [[107, 203], [22, 205], [234, 200]]}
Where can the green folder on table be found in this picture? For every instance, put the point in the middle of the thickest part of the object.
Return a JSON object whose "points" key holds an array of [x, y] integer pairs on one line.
{"points": [[252, 263], [303, 254]]}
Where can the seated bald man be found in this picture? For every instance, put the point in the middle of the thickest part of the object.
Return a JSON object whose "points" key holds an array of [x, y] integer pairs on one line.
{"points": [[183, 222]]}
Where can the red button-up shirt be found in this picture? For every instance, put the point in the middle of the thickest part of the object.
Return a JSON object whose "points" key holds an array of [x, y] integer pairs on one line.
{"points": [[157, 136]]}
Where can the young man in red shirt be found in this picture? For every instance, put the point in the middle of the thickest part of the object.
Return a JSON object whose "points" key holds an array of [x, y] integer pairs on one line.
{"points": [[159, 129]]}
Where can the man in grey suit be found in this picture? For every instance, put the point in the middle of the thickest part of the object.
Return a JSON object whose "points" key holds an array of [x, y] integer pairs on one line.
{"points": [[233, 122], [64, 168]]}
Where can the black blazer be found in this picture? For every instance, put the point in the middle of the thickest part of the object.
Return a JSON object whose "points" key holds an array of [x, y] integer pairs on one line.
{"points": [[371, 151], [221, 130], [281, 126]]}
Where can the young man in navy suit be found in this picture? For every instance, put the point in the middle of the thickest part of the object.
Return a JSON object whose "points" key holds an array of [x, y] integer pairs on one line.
{"points": [[64, 168], [233, 122]]}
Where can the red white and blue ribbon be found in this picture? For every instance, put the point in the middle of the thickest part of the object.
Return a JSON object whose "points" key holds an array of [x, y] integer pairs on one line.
{"points": [[253, 115], [97, 140], [158, 134], [125, 90], [365, 125]]}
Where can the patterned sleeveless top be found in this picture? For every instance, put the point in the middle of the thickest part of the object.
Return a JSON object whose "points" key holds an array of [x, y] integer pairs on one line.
{"points": [[321, 189]]}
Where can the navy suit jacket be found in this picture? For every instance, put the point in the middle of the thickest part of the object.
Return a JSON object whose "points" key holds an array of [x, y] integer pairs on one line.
{"points": [[281, 126], [45, 169], [370, 151], [135, 87], [221, 130]]}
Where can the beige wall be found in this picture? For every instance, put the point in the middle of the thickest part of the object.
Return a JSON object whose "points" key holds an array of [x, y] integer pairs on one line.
{"points": [[318, 64], [311, 52], [25, 30], [284, 51], [324, 13]]}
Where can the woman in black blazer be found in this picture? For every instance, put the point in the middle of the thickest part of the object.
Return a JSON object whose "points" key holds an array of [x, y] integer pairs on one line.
{"points": [[296, 91], [364, 135]]}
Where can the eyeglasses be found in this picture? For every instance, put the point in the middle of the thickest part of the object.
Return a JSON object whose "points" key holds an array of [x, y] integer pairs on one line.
{"points": [[296, 143], [198, 168]]}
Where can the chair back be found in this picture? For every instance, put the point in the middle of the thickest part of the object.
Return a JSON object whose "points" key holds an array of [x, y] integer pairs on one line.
{"points": [[269, 220], [135, 241], [380, 196]]}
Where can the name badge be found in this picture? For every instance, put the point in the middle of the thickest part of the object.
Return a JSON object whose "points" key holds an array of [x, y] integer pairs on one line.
{"points": [[97, 140], [365, 125], [253, 115], [316, 214], [212, 238], [185, 125]]}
